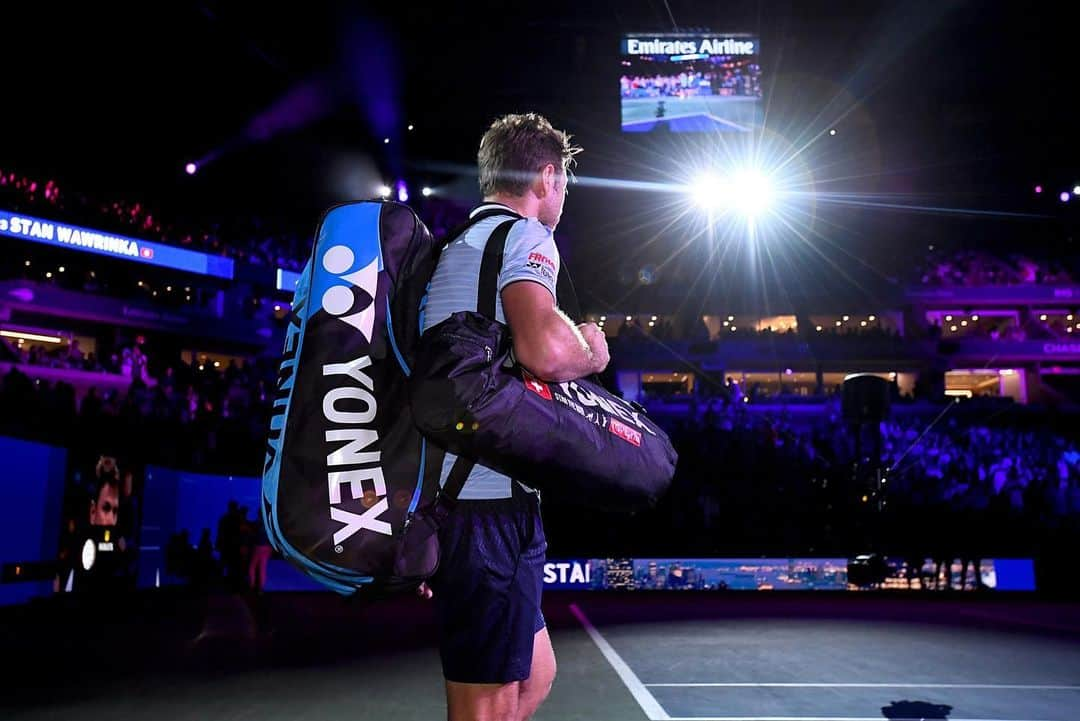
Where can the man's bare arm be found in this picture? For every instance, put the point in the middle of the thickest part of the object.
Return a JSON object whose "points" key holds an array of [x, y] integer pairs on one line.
{"points": [[546, 342]]}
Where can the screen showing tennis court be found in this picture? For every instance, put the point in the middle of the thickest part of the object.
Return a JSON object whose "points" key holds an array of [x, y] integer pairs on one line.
{"points": [[691, 83]]}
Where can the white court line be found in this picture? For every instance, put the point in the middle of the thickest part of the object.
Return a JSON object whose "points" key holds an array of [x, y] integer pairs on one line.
{"points": [[1009, 686], [701, 114], [649, 705], [731, 123]]}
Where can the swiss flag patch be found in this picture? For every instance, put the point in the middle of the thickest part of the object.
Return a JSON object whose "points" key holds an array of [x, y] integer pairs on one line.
{"points": [[625, 432], [146, 252], [537, 387]]}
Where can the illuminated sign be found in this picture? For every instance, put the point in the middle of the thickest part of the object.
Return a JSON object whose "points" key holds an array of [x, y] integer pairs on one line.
{"points": [[689, 46], [73, 237], [287, 280], [567, 574], [769, 574]]}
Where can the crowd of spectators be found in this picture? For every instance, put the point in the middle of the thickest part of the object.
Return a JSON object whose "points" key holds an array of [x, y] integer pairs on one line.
{"points": [[966, 268], [761, 483], [191, 415], [746, 480], [742, 79]]}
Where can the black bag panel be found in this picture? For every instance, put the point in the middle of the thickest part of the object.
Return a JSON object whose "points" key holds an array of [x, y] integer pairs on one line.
{"points": [[573, 440]]}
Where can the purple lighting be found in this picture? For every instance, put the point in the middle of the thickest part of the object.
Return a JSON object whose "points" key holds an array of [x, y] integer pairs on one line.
{"points": [[1064, 197], [190, 168], [1038, 189], [402, 192]]}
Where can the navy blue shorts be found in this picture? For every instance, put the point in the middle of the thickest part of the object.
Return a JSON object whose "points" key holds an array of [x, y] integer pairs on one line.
{"points": [[488, 586]]}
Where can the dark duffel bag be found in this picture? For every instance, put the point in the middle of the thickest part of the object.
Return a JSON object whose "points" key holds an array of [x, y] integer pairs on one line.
{"points": [[573, 440]]}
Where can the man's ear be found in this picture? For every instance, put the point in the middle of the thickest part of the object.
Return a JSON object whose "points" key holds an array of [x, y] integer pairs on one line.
{"points": [[547, 180]]}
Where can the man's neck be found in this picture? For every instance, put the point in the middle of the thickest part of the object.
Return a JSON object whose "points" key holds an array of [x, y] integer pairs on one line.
{"points": [[525, 205]]}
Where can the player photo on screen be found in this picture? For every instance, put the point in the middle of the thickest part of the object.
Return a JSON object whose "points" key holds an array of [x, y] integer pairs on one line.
{"points": [[690, 83]]}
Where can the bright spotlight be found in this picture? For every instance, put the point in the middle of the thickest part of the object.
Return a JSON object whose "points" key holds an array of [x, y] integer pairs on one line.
{"points": [[426, 192], [384, 191], [1076, 190], [402, 192], [832, 131], [1064, 197], [190, 168], [707, 191], [746, 191], [752, 192]]}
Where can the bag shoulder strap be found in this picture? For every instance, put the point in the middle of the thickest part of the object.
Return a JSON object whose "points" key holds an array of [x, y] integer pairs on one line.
{"points": [[488, 288], [459, 473], [461, 228]]}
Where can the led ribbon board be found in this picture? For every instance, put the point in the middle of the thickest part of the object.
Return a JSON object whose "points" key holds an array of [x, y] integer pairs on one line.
{"points": [[73, 237]]}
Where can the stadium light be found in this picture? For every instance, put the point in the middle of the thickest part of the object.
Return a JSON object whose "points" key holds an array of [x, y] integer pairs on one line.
{"points": [[707, 191], [1038, 189], [832, 131], [747, 192], [1064, 197], [190, 168], [384, 191], [1076, 190], [30, 336], [426, 191]]}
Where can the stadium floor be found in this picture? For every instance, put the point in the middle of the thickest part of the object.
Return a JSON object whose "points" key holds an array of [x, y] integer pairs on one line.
{"points": [[636, 656]]}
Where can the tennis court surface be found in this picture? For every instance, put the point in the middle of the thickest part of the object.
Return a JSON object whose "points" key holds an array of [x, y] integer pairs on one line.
{"points": [[760, 656]]}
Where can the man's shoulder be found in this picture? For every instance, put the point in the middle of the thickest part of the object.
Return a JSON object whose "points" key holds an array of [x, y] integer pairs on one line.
{"points": [[529, 233]]}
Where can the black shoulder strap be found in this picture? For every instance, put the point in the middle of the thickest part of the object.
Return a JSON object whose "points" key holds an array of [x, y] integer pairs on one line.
{"points": [[460, 229], [488, 287], [459, 473]]}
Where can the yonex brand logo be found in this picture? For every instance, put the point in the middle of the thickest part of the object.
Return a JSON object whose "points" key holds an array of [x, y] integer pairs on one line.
{"points": [[340, 300]]}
